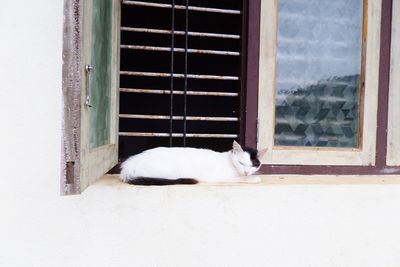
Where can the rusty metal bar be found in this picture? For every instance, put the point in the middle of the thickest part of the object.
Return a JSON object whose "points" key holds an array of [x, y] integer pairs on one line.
{"points": [[199, 34], [171, 104], [179, 75], [164, 92], [141, 134], [190, 50], [192, 8], [185, 87], [164, 117]]}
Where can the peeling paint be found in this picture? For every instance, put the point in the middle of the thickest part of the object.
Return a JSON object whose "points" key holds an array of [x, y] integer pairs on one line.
{"points": [[71, 93]]}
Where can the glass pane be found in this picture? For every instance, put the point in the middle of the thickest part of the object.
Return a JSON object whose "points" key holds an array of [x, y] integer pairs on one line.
{"points": [[100, 77], [318, 72]]}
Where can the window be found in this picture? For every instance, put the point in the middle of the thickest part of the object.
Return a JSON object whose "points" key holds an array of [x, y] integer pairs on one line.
{"points": [[306, 79], [319, 66], [179, 98], [167, 82]]}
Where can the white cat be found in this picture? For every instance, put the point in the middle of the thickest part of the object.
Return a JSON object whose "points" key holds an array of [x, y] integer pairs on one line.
{"points": [[180, 165]]}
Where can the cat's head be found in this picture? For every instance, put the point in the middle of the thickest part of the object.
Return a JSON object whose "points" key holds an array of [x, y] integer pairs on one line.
{"points": [[246, 160]]}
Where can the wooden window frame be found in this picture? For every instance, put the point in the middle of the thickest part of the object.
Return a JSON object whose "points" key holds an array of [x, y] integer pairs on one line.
{"points": [[393, 151], [71, 97], [365, 154], [379, 159]]}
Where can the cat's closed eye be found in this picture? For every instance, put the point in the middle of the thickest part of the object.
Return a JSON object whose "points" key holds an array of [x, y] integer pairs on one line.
{"points": [[241, 163]]}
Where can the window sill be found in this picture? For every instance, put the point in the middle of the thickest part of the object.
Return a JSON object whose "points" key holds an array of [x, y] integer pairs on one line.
{"points": [[267, 180]]}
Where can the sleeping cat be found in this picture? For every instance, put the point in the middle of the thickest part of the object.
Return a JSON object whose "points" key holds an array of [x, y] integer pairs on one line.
{"points": [[182, 165]]}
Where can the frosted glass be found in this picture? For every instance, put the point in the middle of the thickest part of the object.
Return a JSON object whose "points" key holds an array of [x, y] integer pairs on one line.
{"points": [[318, 72]]}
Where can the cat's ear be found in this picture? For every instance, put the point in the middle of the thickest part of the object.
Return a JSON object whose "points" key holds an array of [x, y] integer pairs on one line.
{"points": [[236, 147], [261, 153]]}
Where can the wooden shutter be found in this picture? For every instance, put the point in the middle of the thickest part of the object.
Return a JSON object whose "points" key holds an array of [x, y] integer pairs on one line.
{"points": [[90, 79]]}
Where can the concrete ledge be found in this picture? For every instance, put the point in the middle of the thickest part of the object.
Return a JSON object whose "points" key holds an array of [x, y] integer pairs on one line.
{"points": [[113, 180]]}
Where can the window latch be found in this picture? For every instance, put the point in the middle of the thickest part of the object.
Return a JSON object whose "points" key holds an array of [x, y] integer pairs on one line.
{"points": [[88, 68]]}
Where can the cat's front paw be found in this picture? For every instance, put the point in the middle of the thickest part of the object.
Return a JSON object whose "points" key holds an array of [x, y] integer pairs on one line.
{"points": [[253, 179]]}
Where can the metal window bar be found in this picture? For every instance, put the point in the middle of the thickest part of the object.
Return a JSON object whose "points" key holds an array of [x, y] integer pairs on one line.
{"points": [[199, 34], [163, 92], [172, 73], [189, 50], [185, 92], [192, 8], [179, 75], [188, 135], [186, 72], [189, 118]]}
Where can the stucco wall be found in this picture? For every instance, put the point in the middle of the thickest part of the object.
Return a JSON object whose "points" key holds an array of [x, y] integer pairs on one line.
{"points": [[114, 225]]}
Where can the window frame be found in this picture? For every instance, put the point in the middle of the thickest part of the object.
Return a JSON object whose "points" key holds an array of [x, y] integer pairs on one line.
{"points": [[393, 136], [380, 167], [365, 154], [71, 95]]}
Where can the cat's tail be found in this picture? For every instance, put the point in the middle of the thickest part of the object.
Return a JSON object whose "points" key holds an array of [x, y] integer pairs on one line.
{"points": [[129, 175], [160, 181]]}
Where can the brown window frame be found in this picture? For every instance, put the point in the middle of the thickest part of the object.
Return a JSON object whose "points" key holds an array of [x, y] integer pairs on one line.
{"points": [[252, 78]]}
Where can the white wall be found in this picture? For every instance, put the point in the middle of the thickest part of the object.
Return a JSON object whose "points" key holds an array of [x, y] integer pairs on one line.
{"points": [[297, 225]]}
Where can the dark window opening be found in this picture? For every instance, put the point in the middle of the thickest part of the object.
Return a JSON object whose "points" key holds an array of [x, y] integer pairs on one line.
{"points": [[213, 104]]}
